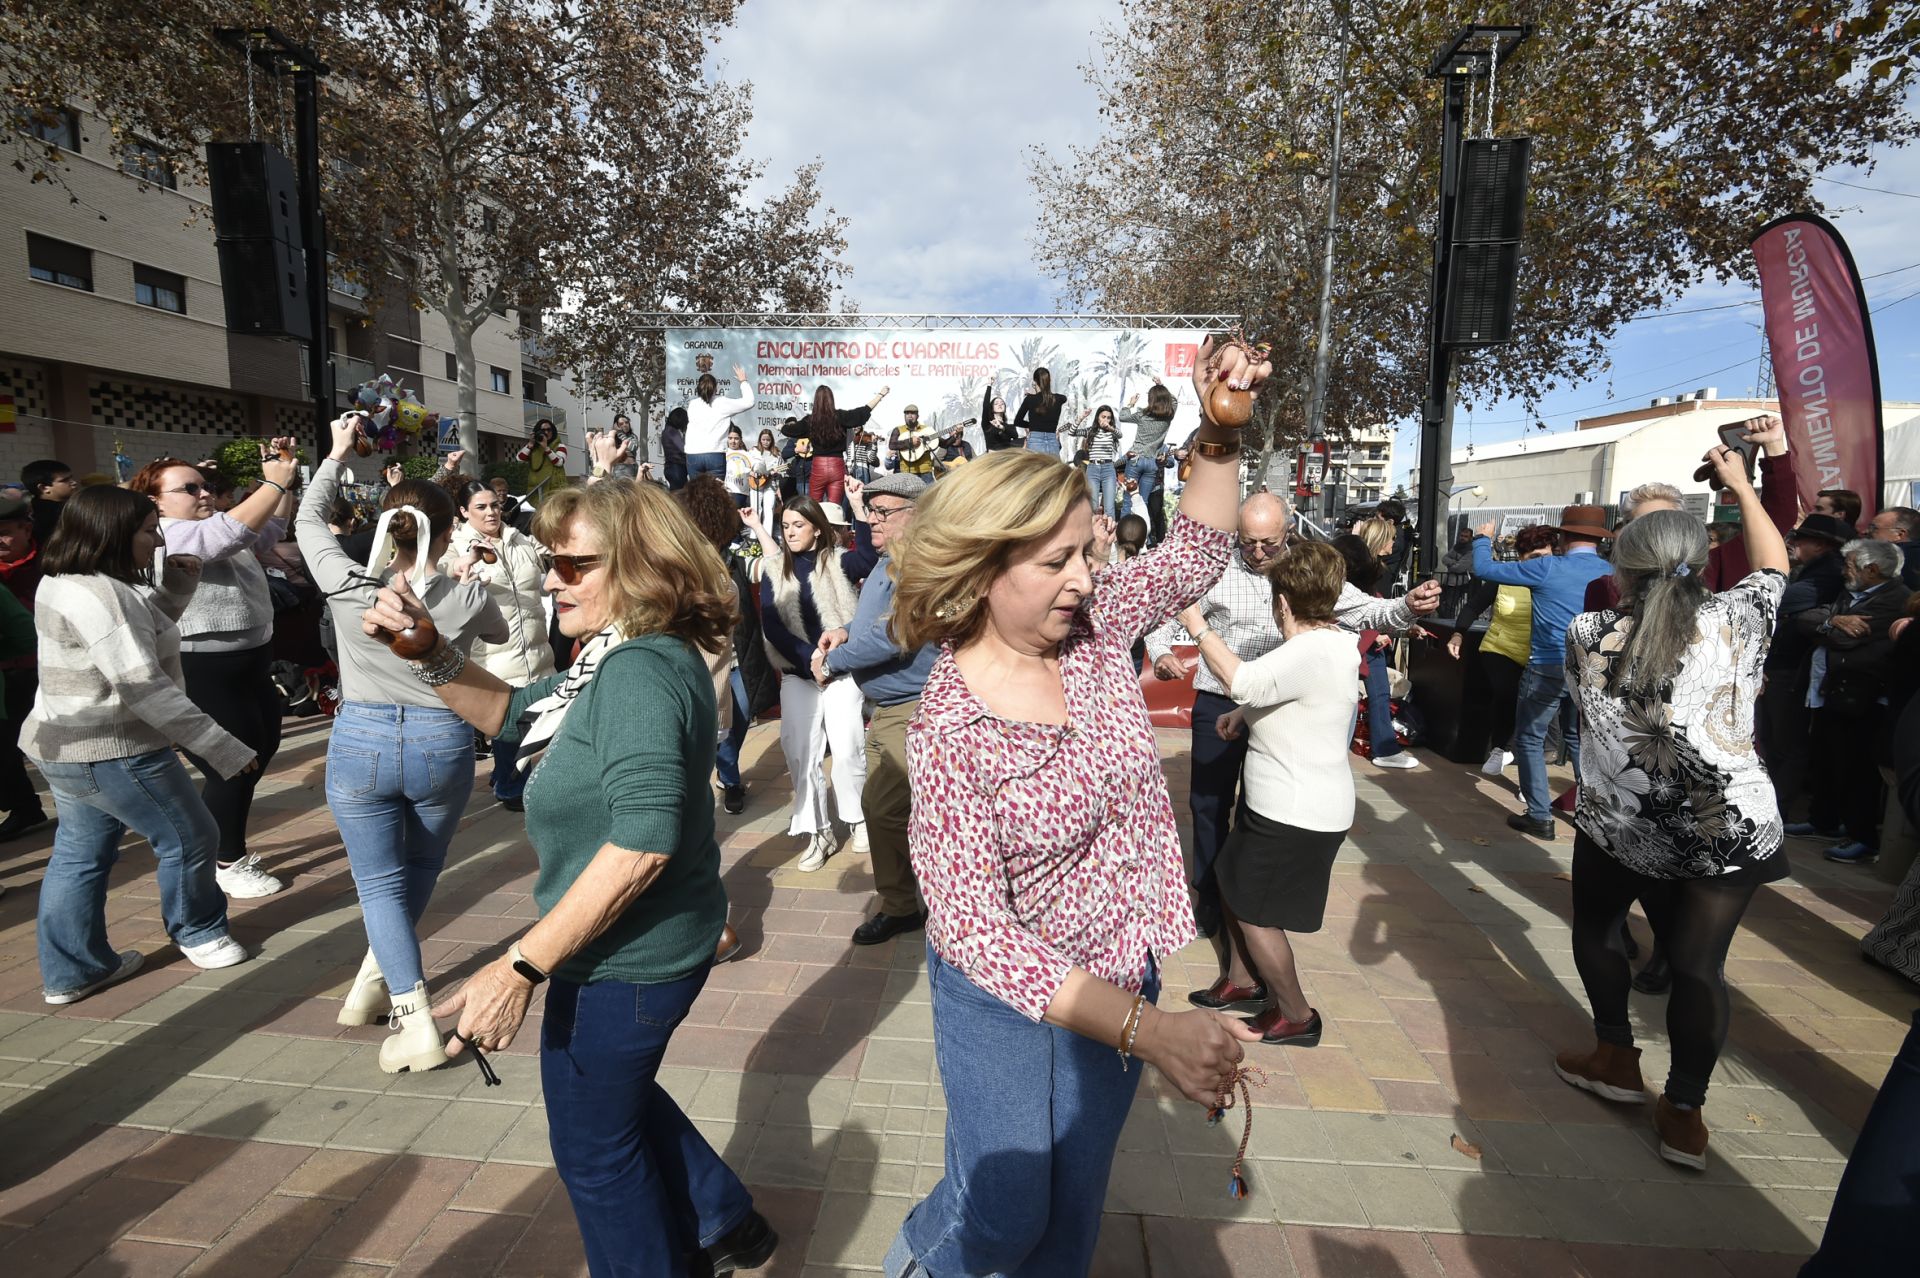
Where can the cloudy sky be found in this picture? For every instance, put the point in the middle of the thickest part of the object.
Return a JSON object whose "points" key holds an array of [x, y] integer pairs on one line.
{"points": [[924, 113]]}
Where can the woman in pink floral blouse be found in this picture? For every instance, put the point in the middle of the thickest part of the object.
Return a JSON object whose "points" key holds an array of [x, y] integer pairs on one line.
{"points": [[1044, 843]]}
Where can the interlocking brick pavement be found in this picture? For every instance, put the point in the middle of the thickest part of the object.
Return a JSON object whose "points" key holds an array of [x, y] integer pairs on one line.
{"points": [[221, 1122]]}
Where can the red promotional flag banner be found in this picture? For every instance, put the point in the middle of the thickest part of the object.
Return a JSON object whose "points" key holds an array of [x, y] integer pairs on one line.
{"points": [[1823, 362]]}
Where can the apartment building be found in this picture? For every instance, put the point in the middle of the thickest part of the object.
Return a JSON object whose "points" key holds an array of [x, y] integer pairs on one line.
{"points": [[113, 336], [1367, 463]]}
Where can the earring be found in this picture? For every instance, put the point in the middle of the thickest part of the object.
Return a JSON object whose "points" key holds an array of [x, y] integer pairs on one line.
{"points": [[956, 608]]}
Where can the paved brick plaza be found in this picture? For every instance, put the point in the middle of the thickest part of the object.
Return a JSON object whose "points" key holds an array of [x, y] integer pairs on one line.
{"points": [[221, 1122]]}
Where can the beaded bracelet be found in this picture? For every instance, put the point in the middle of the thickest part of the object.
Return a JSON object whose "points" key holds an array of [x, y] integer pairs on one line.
{"points": [[443, 670]]}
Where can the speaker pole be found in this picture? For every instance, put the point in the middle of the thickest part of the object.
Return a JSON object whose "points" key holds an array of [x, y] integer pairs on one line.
{"points": [[1458, 66], [306, 115]]}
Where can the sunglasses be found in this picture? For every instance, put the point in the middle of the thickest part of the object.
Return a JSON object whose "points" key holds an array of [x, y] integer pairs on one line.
{"points": [[1268, 544], [191, 490], [570, 568]]}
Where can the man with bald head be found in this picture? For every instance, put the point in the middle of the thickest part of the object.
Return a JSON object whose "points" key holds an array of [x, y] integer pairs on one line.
{"points": [[1239, 609]]}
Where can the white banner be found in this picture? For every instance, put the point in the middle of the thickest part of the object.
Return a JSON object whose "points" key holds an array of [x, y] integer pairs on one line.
{"points": [[944, 372]]}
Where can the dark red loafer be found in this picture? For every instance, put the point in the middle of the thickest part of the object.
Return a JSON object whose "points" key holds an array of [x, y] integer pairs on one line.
{"points": [[1224, 996], [1278, 1030]]}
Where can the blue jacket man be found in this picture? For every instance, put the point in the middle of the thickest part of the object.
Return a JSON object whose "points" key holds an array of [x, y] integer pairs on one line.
{"points": [[891, 680], [1559, 585]]}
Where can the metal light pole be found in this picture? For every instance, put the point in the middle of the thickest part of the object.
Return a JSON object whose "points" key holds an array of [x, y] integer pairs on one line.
{"points": [[1317, 400]]}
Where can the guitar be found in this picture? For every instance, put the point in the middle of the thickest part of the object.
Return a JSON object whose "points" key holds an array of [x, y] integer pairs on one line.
{"points": [[919, 443]]}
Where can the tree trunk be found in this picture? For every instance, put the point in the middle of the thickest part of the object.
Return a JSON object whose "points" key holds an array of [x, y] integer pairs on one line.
{"points": [[469, 372]]}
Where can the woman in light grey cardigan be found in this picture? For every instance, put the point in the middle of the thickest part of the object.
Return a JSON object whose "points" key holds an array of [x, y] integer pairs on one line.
{"points": [[226, 633], [110, 709]]}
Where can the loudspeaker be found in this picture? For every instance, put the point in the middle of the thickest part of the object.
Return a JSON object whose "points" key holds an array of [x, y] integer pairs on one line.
{"points": [[264, 285], [1492, 204], [255, 195], [1480, 294], [1489, 216]]}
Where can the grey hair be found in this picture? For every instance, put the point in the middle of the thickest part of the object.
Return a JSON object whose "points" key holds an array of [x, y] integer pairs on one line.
{"points": [[1881, 554], [1659, 558], [1655, 491]]}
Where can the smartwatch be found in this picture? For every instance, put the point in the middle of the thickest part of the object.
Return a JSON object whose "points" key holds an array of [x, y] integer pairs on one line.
{"points": [[521, 965]]}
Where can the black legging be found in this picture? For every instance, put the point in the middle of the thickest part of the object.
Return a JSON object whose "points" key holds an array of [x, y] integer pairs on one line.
{"points": [[1693, 922], [1502, 674], [235, 690]]}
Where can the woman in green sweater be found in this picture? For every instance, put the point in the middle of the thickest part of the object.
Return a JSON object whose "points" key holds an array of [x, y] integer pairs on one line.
{"points": [[621, 818]]}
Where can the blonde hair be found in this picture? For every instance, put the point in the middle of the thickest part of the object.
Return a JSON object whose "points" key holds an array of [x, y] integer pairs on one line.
{"points": [[1377, 533], [964, 533], [663, 575]]}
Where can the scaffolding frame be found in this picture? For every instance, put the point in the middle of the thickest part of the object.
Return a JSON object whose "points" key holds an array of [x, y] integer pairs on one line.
{"points": [[1213, 322]]}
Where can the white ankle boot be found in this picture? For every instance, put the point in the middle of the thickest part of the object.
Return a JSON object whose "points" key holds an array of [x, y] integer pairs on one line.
{"points": [[416, 1046], [368, 1000]]}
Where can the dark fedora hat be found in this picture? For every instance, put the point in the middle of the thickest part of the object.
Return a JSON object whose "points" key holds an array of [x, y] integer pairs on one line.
{"points": [[1825, 527], [1584, 521]]}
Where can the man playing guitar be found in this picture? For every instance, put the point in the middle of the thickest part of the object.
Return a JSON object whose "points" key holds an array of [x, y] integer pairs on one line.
{"points": [[912, 444]]}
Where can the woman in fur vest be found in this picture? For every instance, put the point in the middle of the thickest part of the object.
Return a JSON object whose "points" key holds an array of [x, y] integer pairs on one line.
{"points": [[809, 585]]}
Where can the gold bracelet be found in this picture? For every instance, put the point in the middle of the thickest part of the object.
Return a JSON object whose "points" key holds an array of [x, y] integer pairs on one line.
{"points": [[1129, 1029]]}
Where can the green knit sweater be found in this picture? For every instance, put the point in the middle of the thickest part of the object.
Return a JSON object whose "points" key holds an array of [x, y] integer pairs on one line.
{"points": [[629, 767]]}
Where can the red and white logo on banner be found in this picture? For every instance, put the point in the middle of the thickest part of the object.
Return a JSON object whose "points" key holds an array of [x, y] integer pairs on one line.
{"points": [[1181, 357]]}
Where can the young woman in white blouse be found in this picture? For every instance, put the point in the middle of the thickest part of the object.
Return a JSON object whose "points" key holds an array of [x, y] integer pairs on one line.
{"points": [[1296, 804]]}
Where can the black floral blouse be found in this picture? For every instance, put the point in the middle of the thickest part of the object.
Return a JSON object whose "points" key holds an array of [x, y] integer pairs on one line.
{"points": [[1670, 785]]}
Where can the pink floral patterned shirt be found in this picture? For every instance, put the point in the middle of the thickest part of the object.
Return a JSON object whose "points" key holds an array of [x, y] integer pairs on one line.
{"points": [[1039, 847]]}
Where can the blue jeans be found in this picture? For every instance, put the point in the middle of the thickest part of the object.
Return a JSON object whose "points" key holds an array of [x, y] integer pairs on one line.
{"points": [[1871, 1220], [646, 1187], [726, 759], [1542, 698], [1380, 731], [1033, 1115], [676, 474], [1144, 471], [1044, 441], [509, 778], [398, 778], [152, 795], [1101, 481], [714, 464]]}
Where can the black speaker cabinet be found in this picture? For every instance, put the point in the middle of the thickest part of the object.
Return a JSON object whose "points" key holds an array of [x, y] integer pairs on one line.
{"points": [[264, 284], [1492, 204], [255, 195], [1480, 284]]}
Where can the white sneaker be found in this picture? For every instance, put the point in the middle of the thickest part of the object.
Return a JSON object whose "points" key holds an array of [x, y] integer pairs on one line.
{"points": [[244, 880], [1498, 761], [857, 839], [819, 848], [1401, 760], [130, 961], [221, 951]]}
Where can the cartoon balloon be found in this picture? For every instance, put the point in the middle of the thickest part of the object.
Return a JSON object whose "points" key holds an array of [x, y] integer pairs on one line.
{"points": [[411, 415]]}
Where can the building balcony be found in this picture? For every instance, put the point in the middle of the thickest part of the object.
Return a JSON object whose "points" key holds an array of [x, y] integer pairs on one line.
{"points": [[536, 410], [348, 373], [536, 352]]}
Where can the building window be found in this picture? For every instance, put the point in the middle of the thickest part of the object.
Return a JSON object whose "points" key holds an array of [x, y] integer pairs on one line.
{"points": [[502, 380], [453, 368], [58, 262], [59, 128], [403, 354], [142, 159], [160, 289], [533, 387]]}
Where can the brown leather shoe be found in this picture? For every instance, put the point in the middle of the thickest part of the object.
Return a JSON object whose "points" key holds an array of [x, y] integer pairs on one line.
{"points": [[1683, 1134], [729, 945], [1224, 996], [1608, 1071]]}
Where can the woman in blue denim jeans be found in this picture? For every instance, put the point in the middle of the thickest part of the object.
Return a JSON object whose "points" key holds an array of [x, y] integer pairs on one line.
{"points": [[399, 764], [111, 708], [621, 819]]}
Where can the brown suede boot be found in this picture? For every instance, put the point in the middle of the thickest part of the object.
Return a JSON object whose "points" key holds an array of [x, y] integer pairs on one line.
{"points": [[1683, 1134], [1608, 1071]]}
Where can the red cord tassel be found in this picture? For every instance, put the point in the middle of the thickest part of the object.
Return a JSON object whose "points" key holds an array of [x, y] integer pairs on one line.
{"points": [[1242, 1077]]}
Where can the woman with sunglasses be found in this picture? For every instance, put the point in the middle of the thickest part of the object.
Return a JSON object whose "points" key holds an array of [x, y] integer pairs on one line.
{"points": [[109, 712], [808, 586], [399, 764], [226, 633], [629, 890], [485, 548]]}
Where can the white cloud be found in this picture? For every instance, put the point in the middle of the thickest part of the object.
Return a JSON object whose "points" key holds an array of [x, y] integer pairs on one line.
{"points": [[923, 113]]}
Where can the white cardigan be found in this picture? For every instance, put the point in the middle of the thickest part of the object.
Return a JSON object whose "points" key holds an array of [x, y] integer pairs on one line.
{"points": [[707, 423], [1300, 701]]}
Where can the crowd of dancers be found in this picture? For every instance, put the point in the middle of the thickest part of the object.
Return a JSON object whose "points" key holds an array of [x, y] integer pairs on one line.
{"points": [[956, 644]]}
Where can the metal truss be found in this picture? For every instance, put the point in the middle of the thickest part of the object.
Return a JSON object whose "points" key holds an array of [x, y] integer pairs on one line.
{"points": [[834, 319]]}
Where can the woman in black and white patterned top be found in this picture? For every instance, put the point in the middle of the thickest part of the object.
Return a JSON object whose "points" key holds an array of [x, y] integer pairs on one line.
{"points": [[1676, 808], [1103, 439]]}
